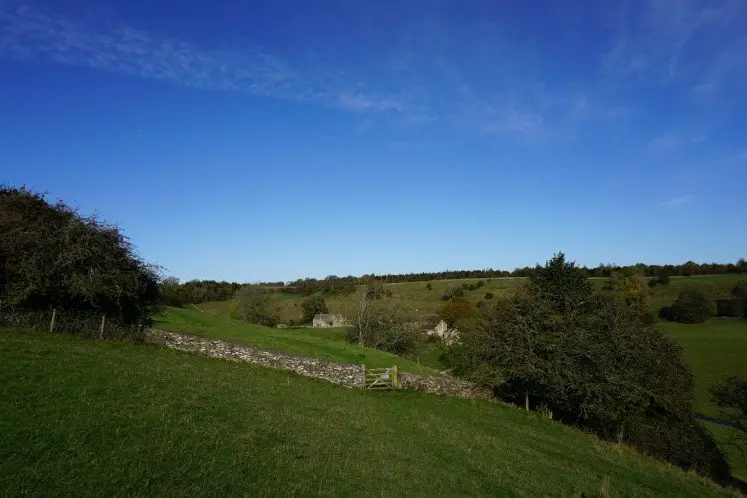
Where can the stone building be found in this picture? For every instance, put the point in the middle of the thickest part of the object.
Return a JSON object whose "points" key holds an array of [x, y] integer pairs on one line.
{"points": [[442, 330], [329, 320]]}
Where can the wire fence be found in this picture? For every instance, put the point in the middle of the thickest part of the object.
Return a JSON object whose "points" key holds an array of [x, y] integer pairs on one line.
{"points": [[81, 323]]}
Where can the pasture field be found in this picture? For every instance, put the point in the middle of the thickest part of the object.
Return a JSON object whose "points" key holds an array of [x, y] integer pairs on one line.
{"points": [[328, 344], [713, 349], [88, 418]]}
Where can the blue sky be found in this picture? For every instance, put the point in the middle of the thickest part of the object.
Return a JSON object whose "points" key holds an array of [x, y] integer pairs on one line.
{"points": [[282, 139]]}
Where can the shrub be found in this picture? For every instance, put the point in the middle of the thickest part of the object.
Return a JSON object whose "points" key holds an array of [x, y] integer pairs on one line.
{"points": [[740, 291], [472, 287], [729, 307], [489, 295], [455, 310], [429, 287], [692, 306], [480, 283], [376, 290], [665, 313], [382, 324], [631, 290], [311, 307], [663, 280], [653, 282], [649, 318], [451, 293], [256, 304]]}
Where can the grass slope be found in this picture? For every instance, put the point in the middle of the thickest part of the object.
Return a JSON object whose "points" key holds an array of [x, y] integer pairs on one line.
{"points": [[86, 418], [715, 349], [319, 343]]}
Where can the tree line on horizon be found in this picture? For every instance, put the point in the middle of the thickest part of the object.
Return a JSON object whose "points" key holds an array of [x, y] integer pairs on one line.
{"points": [[688, 269], [196, 291]]}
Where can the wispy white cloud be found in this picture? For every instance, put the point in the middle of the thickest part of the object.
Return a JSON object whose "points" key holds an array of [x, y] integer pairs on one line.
{"points": [[30, 33], [398, 92], [422, 77], [691, 42], [678, 201]]}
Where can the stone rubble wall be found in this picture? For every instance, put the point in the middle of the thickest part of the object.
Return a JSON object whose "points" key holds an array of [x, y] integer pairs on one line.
{"points": [[445, 386], [343, 374], [337, 373]]}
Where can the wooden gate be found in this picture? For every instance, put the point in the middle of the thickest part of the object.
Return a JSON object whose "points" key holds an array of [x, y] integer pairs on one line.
{"points": [[381, 378]]}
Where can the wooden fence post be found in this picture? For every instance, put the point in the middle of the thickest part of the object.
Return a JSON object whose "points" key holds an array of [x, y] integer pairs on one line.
{"points": [[103, 323], [526, 400], [51, 323], [363, 372], [395, 382]]}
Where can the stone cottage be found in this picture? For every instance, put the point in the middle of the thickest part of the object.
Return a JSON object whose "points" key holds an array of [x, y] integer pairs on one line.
{"points": [[442, 330], [329, 320]]}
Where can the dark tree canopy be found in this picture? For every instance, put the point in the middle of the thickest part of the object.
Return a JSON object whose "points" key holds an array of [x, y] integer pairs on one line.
{"points": [[53, 257], [692, 306], [561, 284], [196, 291], [311, 307], [592, 361]]}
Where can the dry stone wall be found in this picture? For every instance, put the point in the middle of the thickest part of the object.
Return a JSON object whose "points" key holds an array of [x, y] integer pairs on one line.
{"points": [[445, 386], [343, 374], [337, 373]]}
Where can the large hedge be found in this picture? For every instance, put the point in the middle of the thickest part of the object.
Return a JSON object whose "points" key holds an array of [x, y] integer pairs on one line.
{"points": [[53, 257], [692, 306]]}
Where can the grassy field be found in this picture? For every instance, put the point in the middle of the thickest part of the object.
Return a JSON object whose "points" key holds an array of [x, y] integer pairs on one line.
{"points": [[84, 418], [713, 349], [329, 344]]}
